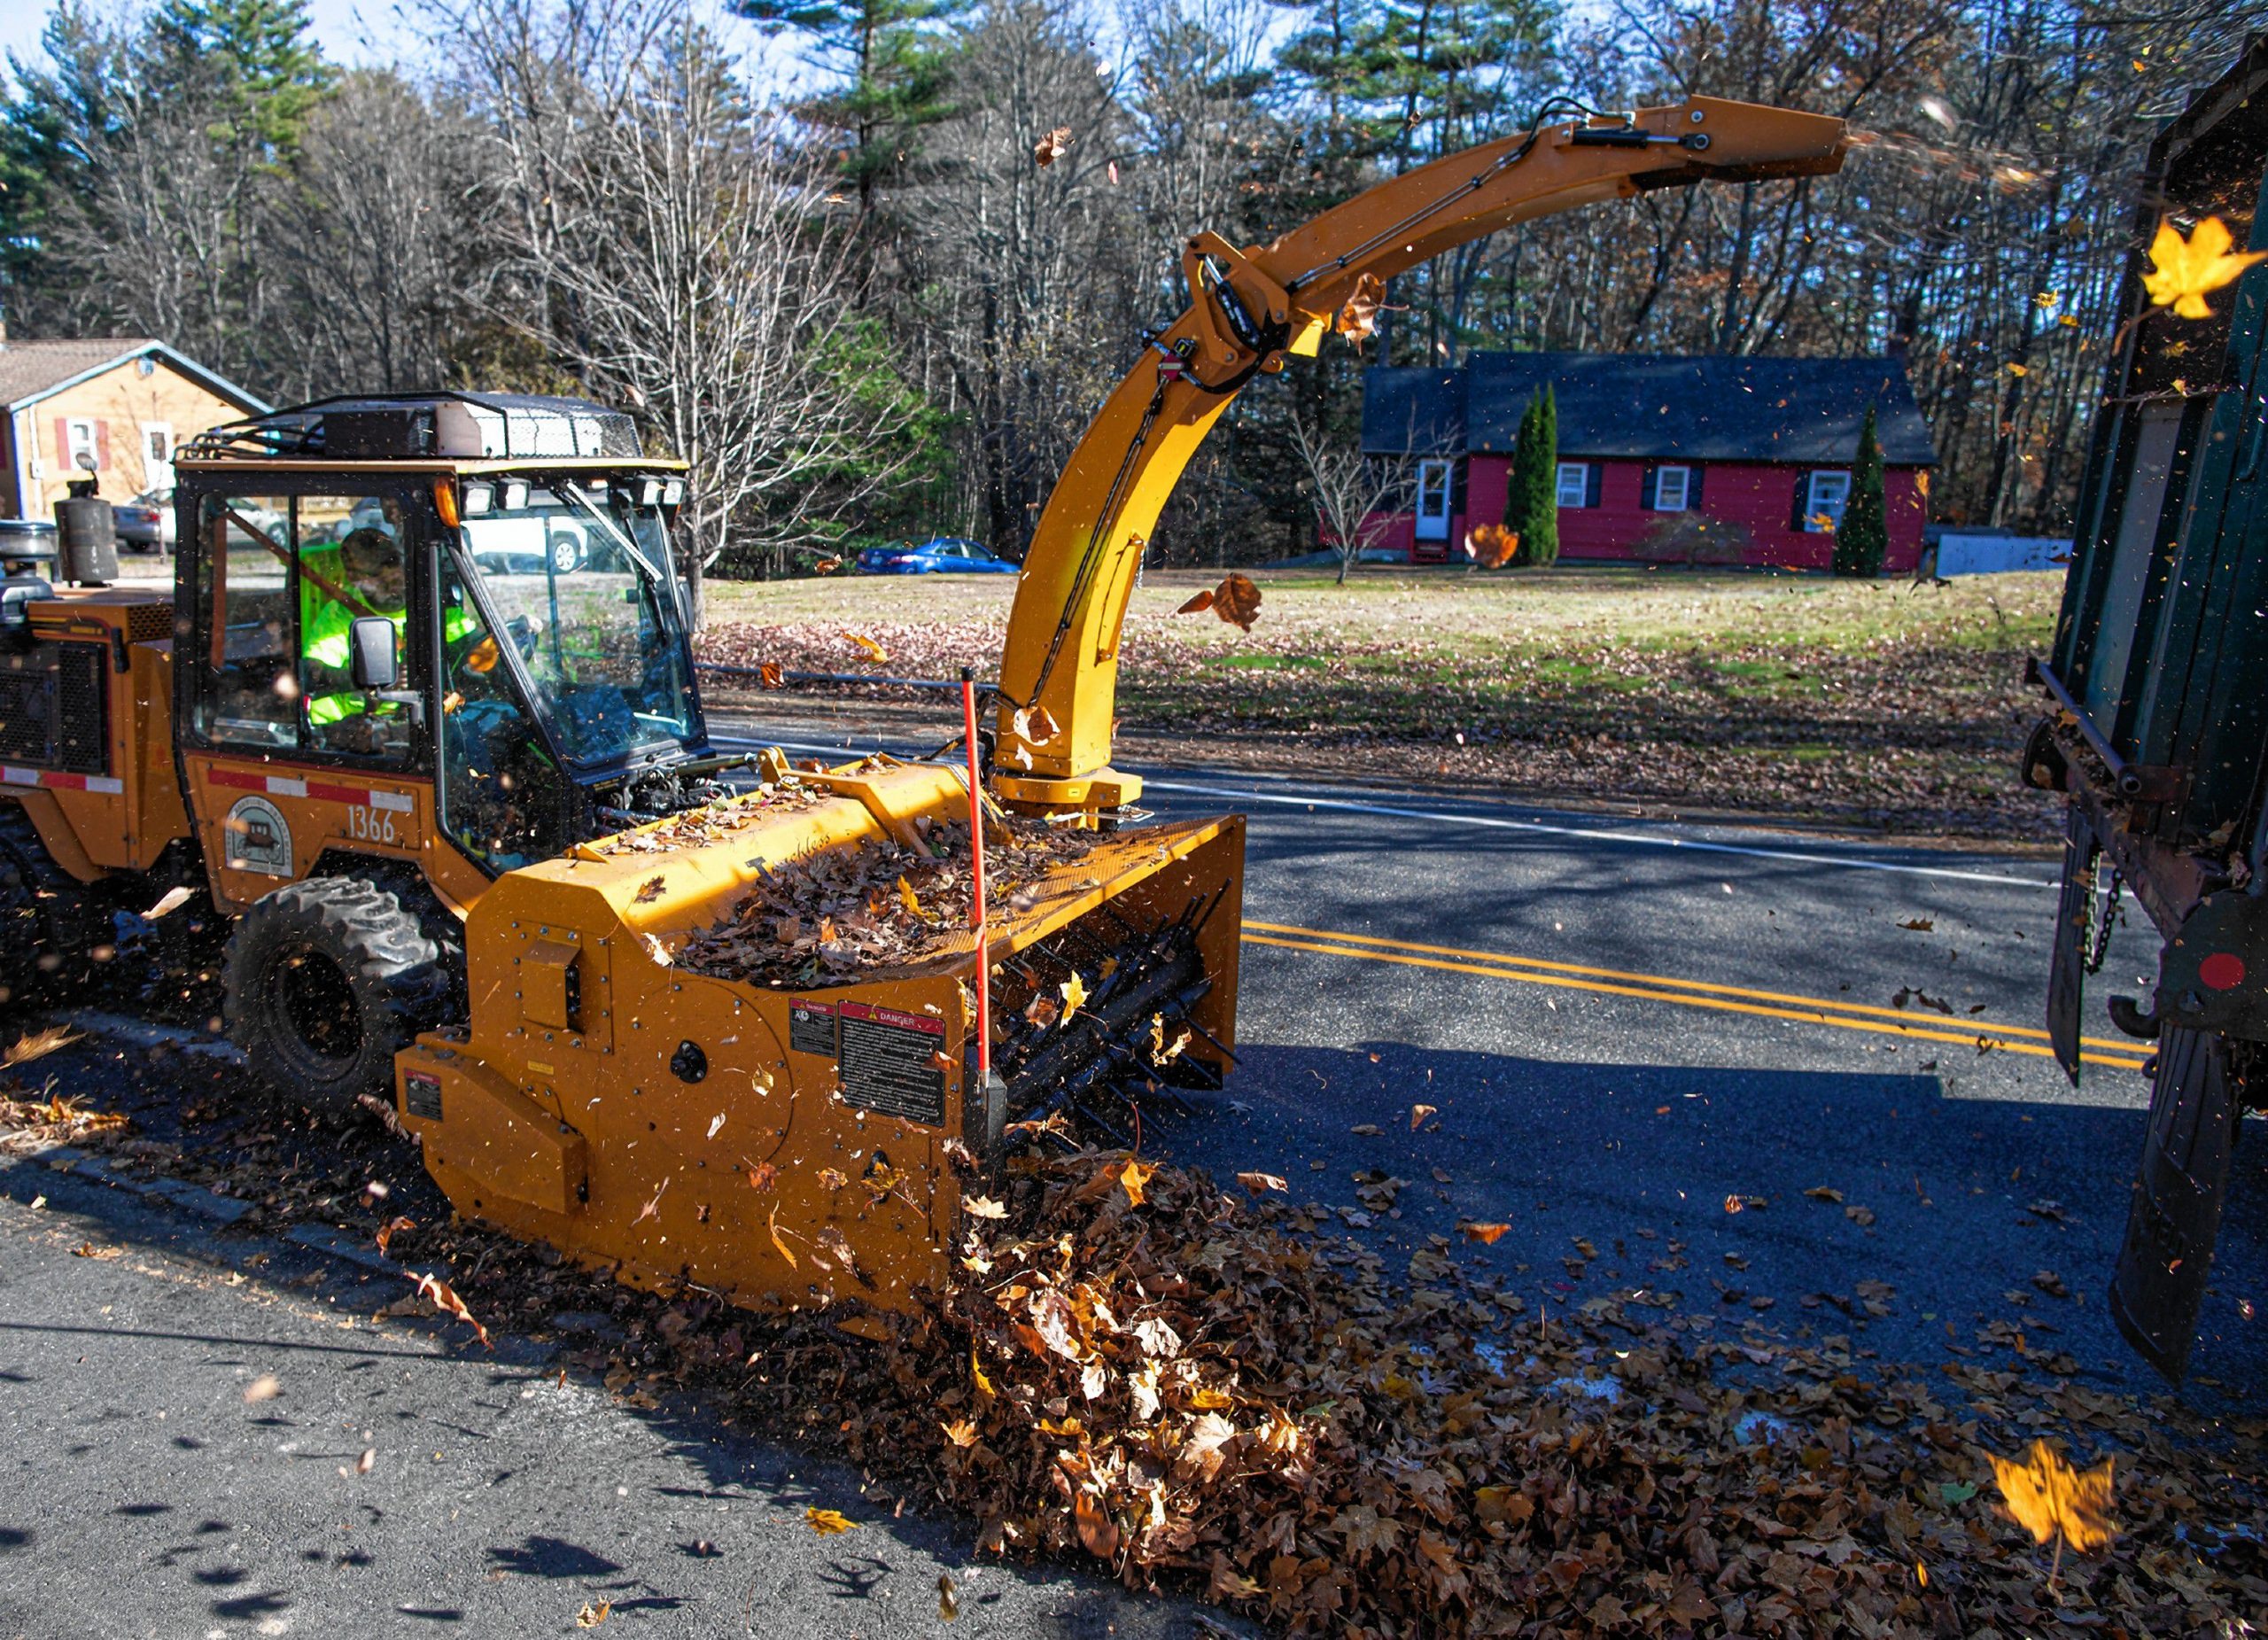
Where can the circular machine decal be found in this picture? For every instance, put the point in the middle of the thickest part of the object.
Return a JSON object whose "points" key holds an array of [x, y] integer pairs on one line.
{"points": [[256, 837]]}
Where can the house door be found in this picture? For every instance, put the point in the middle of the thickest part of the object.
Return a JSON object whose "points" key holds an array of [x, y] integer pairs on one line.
{"points": [[1434, 491], [157, 456]]}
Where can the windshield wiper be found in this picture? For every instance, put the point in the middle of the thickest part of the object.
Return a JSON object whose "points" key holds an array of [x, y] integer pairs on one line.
{"points": [[574, 495]]}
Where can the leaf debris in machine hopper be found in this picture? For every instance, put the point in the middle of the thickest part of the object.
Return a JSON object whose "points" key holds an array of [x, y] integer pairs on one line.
{"points": [[845, 911], [714, 822]]}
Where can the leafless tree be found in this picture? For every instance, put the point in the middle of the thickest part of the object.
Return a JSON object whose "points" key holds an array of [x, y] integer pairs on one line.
{"points": [[1352, 493], [706, 269], [369, 233]]}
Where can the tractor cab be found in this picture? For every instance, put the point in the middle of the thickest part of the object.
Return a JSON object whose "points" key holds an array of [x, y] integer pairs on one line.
{"points": [[459, 608]]}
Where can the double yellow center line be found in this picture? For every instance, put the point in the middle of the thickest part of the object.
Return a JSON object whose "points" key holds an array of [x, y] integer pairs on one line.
{"points": [[1982, 1035]]}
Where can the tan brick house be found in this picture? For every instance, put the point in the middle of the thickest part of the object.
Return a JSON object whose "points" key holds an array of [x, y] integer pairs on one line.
{"points": [[126, 400]]}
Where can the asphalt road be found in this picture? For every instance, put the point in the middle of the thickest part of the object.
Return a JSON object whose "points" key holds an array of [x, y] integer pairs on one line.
{"points": [[1623, 1024], [1620, 1026]]}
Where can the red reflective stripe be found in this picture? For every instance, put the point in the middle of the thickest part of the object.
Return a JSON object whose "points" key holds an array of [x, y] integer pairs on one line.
{"points": [[243, 783]]}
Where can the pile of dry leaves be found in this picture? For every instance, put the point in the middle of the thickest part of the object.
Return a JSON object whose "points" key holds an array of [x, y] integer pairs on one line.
{"points": [[1138, 1367], [817, 919], [713, 822]]}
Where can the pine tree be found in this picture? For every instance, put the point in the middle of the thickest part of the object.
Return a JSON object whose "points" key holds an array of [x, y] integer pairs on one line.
{"points": [[1531, 490], [1862, 539], [894, 63]]}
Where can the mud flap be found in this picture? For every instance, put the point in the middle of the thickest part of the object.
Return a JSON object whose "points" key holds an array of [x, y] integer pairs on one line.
{"points": [[2067, 970], [2176, 1211]]}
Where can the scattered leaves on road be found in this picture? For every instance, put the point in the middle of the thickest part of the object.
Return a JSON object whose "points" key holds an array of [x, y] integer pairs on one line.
{"points": [[827, 1522]]}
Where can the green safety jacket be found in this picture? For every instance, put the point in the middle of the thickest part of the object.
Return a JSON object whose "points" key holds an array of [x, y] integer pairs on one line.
{"points": [[326, 628]]}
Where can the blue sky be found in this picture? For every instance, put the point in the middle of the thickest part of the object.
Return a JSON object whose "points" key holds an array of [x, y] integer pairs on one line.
{"points": [[352, 32]]}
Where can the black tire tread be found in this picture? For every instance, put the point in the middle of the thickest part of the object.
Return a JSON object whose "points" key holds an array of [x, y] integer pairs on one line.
{"points": [[399, 975]]}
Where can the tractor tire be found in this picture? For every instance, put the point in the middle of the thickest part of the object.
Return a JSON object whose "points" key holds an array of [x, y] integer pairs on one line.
{"points": [[324, 982], [21, 932], [47, 922]]}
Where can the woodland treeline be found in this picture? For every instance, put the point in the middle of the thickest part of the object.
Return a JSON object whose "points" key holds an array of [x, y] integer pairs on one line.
{"points": [[855, 298]]}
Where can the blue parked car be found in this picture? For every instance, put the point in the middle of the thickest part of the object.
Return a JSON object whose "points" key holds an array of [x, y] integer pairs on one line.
{"points": [[941, 555]]}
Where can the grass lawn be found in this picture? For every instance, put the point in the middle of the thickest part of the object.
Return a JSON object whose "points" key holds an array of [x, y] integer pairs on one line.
{"points": [[1875, 705]]}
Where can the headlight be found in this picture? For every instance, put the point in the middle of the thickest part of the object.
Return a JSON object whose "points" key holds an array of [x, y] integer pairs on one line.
{"points": [[478, 499], [516, 495]]}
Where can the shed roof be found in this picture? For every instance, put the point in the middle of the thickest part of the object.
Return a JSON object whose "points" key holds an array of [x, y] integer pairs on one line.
{"points": [[1710, 408], [36, 368]]}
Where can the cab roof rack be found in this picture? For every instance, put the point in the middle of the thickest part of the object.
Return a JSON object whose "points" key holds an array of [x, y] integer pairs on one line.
{"points": [[446, 426]]}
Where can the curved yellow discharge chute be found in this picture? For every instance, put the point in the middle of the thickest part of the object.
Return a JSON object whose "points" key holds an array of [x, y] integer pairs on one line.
{"points": [[1249, 310]]}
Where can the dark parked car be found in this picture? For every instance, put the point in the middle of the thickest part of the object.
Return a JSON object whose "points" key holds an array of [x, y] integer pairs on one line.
{"points": [[940, 555]]}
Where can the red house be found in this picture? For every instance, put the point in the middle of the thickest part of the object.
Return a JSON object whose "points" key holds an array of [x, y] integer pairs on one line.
{"points": [[1715, 459]]}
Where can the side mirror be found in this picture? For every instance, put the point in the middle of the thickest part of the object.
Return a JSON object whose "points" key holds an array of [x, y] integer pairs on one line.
{"points": [[369, 653]]}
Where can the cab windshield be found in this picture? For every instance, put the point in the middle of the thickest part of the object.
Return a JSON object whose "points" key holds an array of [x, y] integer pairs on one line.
{"points": [[577, 574]]}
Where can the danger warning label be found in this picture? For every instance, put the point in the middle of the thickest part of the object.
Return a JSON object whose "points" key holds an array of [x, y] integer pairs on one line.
{"points": [[891, 1062]]}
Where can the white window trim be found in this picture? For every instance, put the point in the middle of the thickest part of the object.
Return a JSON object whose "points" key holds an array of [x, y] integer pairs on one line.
{"points": [[155, 468], [1581, 472], [1816, 508], [73, 426], [1684, 488]]}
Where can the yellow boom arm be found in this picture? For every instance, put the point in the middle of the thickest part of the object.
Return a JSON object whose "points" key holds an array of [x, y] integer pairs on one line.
{"points": [[1249, 309]]}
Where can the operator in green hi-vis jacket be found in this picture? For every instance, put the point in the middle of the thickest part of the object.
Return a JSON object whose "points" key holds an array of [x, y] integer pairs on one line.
{"points": [[367, 569]]}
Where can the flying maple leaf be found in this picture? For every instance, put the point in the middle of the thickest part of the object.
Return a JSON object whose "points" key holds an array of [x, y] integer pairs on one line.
{"points": [[651, 889], [960, 1431], [2050, 1499], [770, 675], [1417, 1115], [38, 1044], [172, 899], [786, 1252], [1236, 600], [392, 1228], [1075, 992], [1259, 1184], [444, 1298], [1488, 1235], [1359, 317], [592, 1616], [827, 1522], [1052, 146], [2187, 269], [983, 1207], [874, 651], [908, 898], [1491, 546], [827, 566]]}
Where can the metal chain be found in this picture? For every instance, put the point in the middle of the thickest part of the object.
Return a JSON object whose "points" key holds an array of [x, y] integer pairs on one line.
{"points": [[2112, 916]]}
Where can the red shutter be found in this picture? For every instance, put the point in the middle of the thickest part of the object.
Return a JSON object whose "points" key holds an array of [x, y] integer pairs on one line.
{"points": [[1593, 473], [102, 446], [1693, 489], [1650, 487]]}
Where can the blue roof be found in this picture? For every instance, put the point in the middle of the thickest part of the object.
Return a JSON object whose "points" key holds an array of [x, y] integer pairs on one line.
{"points": [[1651, 407]]}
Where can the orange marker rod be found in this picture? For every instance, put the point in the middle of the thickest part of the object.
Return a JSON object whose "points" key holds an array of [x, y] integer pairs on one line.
{"points": [[976, 871]]}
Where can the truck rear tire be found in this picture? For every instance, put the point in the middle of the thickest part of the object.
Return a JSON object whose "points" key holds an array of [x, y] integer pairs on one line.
{"points": [[325, 982]]}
